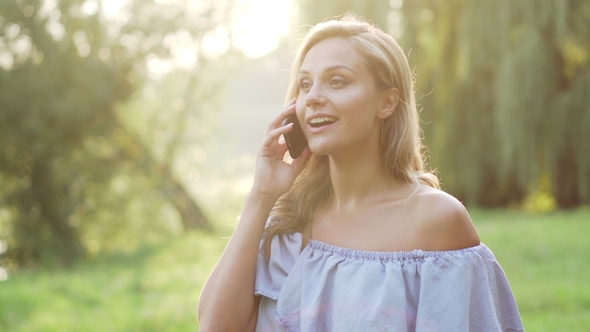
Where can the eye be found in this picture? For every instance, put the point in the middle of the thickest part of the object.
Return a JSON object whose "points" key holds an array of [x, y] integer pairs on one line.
{"points": [[338, 83], [304, 85]]}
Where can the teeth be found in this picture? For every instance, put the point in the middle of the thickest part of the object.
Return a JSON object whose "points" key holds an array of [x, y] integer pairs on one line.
{"points": [[322, 120]]}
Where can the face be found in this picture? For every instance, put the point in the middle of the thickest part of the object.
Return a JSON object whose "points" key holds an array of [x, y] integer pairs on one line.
{"points": [[339, 104]]}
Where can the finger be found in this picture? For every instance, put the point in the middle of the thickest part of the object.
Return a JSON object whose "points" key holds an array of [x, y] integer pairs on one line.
{"points": [[273, 135], [277, 121]]}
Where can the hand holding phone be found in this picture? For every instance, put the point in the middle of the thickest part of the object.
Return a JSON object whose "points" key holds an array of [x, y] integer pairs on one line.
{"points": [[295, 139]]}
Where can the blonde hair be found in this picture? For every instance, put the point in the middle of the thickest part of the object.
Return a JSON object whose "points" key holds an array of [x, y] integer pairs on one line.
{"points": [[401, 140]]}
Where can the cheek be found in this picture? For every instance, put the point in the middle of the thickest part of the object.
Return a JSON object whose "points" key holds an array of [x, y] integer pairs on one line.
{"points": [[359, 104], [300, 108], [361, 112]]}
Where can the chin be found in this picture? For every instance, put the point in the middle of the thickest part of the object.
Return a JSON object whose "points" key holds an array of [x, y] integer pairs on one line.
{"points": [[320, 149], [318, 152]]}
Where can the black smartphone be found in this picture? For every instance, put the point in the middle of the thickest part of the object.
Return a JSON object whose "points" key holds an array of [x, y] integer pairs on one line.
{"points": [[295, 140]]}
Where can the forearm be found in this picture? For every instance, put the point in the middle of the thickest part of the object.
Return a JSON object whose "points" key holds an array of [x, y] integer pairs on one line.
{"points": [[228, 295]]}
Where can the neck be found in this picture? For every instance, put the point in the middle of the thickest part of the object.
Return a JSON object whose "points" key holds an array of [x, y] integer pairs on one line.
{"points": [[358, 178]]}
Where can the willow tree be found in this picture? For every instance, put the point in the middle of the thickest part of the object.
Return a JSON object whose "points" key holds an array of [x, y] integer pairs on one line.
{"points": [[505, 88]]}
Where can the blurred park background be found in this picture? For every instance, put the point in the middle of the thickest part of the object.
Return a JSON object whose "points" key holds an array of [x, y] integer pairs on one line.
{"points": [[128, 132]]}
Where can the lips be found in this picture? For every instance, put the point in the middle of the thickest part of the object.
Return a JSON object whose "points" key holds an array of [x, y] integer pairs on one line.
{"points": [[321, 121]]}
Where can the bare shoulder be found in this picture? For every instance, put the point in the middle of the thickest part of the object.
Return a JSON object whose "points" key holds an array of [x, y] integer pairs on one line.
{"points": [[442, 222]]}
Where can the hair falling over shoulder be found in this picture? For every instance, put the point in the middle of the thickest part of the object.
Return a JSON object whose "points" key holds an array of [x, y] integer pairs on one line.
{"points": [[401, 144]]}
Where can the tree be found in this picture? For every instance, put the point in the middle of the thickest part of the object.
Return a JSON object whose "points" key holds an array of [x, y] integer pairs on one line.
{"points": [[313, 12], [65, 67], [506, 87]]}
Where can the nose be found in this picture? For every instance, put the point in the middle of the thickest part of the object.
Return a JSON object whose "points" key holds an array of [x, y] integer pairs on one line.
{"points": [[315, 97]]}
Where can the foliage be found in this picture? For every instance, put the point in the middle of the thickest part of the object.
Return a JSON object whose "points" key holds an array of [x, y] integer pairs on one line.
{"points": [[311, 12], [506, 87], [48, 107], [157, 288], [72, 169]]}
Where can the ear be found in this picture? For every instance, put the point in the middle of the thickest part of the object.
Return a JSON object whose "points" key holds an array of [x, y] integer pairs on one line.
{"points": [[389, 103]]}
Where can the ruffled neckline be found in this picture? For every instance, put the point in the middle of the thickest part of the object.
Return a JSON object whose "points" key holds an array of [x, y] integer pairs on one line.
{"points": [[418, 254]]}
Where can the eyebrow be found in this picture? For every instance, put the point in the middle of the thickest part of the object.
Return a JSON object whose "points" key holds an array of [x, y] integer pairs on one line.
{"points": [[331, 68]]}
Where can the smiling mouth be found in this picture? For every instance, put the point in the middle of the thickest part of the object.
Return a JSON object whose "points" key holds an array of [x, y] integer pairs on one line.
{"points": [[321, 121]]}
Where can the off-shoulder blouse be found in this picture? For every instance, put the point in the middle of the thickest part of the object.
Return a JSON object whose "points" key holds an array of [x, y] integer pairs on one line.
{"points": [[328, 288]]}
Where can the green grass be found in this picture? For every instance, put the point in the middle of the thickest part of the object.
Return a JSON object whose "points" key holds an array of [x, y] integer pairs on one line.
{"points": [[155, 289], [546, 258]]}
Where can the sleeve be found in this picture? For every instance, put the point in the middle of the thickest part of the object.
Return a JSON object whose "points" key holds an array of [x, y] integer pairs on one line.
{"points": [[271, 272], [467, 293]]}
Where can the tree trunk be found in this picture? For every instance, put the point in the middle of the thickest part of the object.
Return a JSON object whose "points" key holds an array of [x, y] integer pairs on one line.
{"points": [[565, 184], [190, 213], [43, 231]]}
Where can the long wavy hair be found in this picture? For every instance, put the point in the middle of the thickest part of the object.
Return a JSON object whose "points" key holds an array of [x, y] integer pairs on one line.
{"points": [[401, 144]]}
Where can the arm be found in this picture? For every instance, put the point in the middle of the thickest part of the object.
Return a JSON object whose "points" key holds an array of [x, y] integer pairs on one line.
{"points": [[228, 295], [227, 301]]}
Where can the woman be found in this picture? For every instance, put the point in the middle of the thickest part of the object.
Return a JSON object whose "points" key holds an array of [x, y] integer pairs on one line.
{"points": [[359, 237]]}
